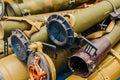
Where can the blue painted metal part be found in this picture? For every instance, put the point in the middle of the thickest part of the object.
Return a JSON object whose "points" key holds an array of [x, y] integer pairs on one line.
{"points": [[19, 43], [118, 78], [59, 31]]}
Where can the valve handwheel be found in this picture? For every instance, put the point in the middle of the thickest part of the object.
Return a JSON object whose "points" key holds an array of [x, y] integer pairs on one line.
{"points": [[38, 67]]}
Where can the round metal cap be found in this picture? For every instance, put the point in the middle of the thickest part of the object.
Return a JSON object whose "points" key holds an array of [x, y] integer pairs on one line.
{"points": [[38, 67], [2, 10], [19, 43], [59, 30]]}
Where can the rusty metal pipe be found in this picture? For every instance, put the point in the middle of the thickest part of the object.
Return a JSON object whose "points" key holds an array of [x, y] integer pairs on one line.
{"points": [[105, 70], [83, 64]]}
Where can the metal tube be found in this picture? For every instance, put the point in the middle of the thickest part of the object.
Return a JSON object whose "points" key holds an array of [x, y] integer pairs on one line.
{"points": [[39, 6], [106, 68], [6, 26], [11, 68], [83, 63], [78, 22]]}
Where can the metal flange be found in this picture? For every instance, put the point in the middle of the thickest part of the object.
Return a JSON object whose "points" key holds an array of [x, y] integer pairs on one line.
{"points": [[59, 30], [38, 67], [19, 43]]}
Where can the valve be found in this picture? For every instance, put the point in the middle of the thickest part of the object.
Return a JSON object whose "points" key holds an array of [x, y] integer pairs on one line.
{"points": [[38, 67]]}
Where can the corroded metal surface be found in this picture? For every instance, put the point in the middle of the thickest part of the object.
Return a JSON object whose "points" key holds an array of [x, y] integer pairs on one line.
{"points": [[86, 63]]}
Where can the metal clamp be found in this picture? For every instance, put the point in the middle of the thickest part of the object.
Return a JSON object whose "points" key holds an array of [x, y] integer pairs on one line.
{"points": [[115, 15], [48, 48], [90, 49], [71, 3], [5, 47]]}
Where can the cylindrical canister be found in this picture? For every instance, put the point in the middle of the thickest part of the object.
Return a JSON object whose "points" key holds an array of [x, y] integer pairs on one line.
{"points": [[39, 6], [8, 25], [83, 62], [11, 68], [78, 22], [108, 69]]}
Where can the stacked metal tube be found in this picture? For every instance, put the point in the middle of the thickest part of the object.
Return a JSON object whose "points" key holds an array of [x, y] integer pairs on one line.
{"points": [[11, 68], [82, 20], [108, 8], [83, 14], [9, 25], [39, 6], [54, 63]]}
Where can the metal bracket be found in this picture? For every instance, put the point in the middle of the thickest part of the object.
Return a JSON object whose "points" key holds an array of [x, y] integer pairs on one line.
{"points": [[5, 47], [71, 3], [115, 15], [90, 49], [112, 16], [25, 12]]}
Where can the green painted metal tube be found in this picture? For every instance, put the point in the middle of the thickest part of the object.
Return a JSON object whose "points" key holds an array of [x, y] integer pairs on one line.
{"points": [[114, 36], [91, 15], [82, 23], [40, 6], [6, 26], [11, 68], [65, 26]]}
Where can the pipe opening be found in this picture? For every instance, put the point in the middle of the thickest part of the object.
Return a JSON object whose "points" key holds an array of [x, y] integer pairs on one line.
{"points": [[78, 66]]}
